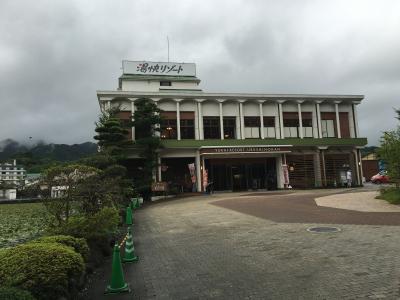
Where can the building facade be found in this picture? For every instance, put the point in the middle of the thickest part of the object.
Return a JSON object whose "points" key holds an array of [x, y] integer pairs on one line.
{"points": [[12, 174], [241, 141]]}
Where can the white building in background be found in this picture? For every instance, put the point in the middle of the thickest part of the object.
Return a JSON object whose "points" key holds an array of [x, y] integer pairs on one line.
{"points": [[241, 141], [12, 174]]}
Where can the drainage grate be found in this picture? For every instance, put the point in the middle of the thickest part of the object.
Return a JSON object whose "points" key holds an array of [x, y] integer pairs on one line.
{"points": [[323, 229]]}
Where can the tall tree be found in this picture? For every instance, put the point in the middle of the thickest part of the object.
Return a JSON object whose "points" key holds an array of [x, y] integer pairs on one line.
{"points": [[111, 133], [390, 152], [146, 120]]}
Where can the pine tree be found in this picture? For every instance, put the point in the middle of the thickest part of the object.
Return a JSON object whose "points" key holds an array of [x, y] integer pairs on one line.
{"points": [[111, 133], [146, 120]]}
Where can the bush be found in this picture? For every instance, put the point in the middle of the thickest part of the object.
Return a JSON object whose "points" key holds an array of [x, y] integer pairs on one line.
{"points": [[391, 195], [47, 270], [78, 244], [101, 225], [12, 293], [99, 231]]}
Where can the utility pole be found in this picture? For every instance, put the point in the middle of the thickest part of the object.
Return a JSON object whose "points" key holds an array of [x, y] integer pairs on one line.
{"points": [[168, 47]]}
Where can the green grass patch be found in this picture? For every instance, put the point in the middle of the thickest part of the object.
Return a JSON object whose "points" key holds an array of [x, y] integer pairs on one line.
{"points": [[391, 195], [21, 222]]}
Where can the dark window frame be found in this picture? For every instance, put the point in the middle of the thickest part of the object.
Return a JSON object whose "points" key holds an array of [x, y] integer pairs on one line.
{"points": [[187, 129], [165, 83], [211, 128], [168, 129], [252, 122], [269, 121], [229, 127]]}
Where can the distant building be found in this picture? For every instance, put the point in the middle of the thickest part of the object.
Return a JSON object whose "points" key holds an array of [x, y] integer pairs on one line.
{"points": [[240, 141], [12, 174], [32, 178]]}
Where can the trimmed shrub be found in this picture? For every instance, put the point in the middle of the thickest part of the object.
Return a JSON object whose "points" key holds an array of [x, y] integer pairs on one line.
{"points": [[12, 293], [79, 244], [101, 225], [47, 270], [99, 231]]}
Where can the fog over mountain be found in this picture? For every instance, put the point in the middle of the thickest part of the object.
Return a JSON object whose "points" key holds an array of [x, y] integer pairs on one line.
{"points": [[10, 149]]}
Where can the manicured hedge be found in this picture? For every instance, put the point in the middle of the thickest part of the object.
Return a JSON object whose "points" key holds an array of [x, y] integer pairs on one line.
{"points": [[102, 224], [78, 244], [11, 293], [47, 270]]}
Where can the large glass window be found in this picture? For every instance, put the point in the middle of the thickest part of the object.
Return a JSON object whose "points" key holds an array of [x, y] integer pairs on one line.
{"points": [[211, 128], [307, 127], [328, 128], [229, 127], [187, 129], [291, 127], [269, 127], [168, 129], [252, 127]]}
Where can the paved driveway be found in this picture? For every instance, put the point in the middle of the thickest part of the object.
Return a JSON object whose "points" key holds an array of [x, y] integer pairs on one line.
{"points": [[215, 247]]}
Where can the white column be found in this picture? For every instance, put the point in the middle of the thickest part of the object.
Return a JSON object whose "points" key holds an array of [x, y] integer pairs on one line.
{"points": [[261, 120], [196, 124], [315, 122], [108, 107], [351, 122], [360, 164], [355, 117], [300, 119], [358, 180], [198, 171], [221, 120], [319, 121], [241, 117], [200, 120], [277, 122], [281, 120], [178, 120], [132, 116], [339, 134]]}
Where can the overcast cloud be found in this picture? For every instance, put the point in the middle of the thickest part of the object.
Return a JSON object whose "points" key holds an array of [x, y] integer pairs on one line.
{"points": [[54, 55]]}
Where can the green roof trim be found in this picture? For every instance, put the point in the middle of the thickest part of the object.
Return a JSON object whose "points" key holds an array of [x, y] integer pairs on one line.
{"points": [[287, 141]]}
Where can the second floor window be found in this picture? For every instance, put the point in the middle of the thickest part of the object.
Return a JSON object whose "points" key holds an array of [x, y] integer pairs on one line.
{"points": [[229, 127], [252, 127], [328, 128], [187, 129], [165, 83], [168, 129], [211, 128]]}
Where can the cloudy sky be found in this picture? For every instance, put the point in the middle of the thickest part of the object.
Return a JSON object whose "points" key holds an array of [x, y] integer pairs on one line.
{"points": [[54, 55]]}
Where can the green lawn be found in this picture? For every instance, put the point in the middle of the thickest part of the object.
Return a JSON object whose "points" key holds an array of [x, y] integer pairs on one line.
{"points": [[21, 222]]}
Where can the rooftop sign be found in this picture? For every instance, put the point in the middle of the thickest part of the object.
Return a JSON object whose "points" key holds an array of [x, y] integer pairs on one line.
{"points": [[158, 68]]}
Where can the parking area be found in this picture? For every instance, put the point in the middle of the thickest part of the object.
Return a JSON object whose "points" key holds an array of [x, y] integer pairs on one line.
{"points": [[256, 246]]}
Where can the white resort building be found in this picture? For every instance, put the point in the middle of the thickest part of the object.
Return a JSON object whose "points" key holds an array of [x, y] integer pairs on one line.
{"points": [[241, 141]]}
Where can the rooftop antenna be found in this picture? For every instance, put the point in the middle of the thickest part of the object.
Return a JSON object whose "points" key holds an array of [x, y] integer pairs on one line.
{"points": [[168, 47]]}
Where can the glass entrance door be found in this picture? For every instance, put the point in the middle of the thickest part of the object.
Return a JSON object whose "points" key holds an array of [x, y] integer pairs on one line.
{"points": [[238, 177]]}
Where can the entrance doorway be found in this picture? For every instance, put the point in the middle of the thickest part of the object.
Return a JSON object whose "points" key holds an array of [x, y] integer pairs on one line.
{"points": [[237, 174]]}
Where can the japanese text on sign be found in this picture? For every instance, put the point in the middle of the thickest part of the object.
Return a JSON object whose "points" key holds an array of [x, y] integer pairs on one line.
{"points": [[158, 68]]}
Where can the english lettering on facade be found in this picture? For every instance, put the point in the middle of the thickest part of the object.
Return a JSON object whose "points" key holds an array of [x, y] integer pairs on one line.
{"points": [[246, 150]]}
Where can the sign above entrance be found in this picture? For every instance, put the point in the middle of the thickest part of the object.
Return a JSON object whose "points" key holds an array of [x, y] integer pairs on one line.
{"points": [[158, 68], [254, 149]]}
